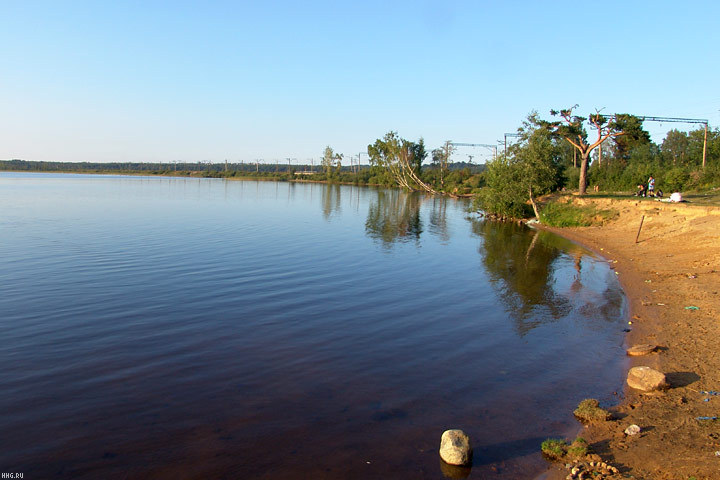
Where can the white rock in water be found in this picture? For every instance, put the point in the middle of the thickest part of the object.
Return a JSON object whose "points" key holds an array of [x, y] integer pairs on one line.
{"points": [[455, 447], [646, 379], [632, 430]]}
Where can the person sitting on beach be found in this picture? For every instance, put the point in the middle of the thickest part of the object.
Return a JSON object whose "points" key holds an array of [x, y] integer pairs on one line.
{"points": [[640, 190], [676, 197]]}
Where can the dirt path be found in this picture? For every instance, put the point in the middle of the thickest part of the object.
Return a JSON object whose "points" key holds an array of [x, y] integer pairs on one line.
{"points": [[675, 264]]}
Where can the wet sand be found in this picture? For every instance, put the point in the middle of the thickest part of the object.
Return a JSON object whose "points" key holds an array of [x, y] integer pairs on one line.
{"points": [[675, 264]]}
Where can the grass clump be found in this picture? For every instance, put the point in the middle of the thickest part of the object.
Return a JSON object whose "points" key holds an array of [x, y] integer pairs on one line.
{"points": [[578, 448], [589, 411], [558, 449], [554, 448], [567, 214]]}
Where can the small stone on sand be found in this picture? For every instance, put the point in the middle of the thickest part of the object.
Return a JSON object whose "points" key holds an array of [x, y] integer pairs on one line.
{"points": [[632, 430], [642, 349]]}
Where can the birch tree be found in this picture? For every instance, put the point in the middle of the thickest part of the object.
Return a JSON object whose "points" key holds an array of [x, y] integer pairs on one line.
{"points": [[402, 159]]}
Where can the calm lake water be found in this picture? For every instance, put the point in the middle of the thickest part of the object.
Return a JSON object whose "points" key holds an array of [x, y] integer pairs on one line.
{"points": [[172, 328]]}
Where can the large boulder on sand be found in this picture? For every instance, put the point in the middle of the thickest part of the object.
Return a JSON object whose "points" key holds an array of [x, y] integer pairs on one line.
{"points": [[455, 447], [646, 379]]}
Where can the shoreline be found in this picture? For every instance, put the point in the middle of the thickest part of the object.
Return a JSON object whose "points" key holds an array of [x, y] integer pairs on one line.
{"points": [[675, 264]]}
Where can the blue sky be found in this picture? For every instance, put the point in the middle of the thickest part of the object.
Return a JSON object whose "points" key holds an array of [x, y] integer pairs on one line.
{"points": [[209, 81]]}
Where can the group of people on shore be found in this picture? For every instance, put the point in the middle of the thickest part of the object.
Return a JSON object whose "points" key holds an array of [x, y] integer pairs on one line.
{"points": [[648, 190]]}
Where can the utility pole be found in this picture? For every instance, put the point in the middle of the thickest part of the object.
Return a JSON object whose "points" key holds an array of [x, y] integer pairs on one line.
{"points": [[359, 159], [705, 145]]}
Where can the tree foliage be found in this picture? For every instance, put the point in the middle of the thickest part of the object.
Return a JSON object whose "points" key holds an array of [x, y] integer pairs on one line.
{"points": [[402, 159], [531, 167], [331, 159], [441, 158], [572, 128]]}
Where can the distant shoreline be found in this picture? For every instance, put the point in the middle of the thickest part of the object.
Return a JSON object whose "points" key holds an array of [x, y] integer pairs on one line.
{"points": [[272, 177]]}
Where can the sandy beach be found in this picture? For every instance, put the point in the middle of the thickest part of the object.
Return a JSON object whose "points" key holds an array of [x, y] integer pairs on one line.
{"points": [[672, 280]]}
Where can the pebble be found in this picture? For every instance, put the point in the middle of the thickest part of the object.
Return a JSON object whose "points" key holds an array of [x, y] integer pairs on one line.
{"points": [[632, 430]]}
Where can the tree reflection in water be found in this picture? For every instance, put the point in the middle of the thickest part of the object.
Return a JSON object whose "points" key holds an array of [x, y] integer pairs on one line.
{"points": [[331, 197], [520, 264], [394, 216], [438, 218]]}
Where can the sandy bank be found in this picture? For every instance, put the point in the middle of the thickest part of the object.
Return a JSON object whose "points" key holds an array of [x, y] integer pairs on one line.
{"points": [[674, 265]]}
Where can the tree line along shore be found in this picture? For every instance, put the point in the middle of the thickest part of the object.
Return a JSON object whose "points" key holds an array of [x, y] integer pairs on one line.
{"points": [[569, 152]]}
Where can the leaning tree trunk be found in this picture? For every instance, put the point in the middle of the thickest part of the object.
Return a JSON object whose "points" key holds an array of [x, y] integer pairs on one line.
{"points": [[583, 173], [534, 205]]}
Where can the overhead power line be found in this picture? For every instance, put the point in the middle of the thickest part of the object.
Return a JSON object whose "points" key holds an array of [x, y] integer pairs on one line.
{"points": [[486, 145], [678, 120]]}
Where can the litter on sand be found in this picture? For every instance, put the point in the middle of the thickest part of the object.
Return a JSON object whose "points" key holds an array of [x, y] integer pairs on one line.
{"points": [[692, 307], [707, 418]]}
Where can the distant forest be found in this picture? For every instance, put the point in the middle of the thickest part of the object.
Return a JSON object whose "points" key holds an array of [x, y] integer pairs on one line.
{"points": [[458, 178], [16, 165]]}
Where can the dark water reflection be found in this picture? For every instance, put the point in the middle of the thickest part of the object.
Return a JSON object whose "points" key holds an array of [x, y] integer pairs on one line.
{"points": [[188, 328], [394, 216], [521, 268]]}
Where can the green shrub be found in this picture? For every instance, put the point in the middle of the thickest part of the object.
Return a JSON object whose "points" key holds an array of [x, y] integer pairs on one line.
{"points": [[572, 177], [676, 179]]}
